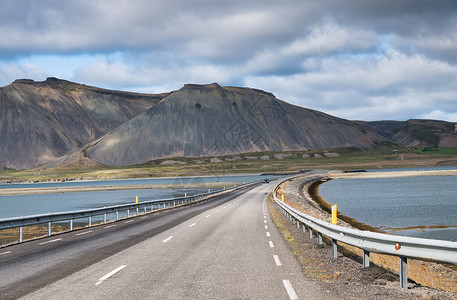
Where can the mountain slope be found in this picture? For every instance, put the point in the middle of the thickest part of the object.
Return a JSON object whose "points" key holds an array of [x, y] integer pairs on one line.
{"points": [[213, 120], [416, 133], [40, 121]]}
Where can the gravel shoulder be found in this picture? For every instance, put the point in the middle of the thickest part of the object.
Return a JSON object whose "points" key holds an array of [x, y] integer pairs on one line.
{"points": [[345, 274]]}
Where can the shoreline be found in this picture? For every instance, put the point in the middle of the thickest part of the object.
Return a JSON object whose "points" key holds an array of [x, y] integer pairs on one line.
{"points": [[99, 188], [390, 174]]}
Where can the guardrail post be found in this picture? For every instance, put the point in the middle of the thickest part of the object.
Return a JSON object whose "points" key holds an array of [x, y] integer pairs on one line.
{"points": [[319, 238], [104, 218], [49, 228], [117, 215], [90, 221], [145, 210], [403, 272], [128, 213], [71, 224], [20, 234], [366, 259], [298, 223], [334, 248], [303, 227], [310, 232]]}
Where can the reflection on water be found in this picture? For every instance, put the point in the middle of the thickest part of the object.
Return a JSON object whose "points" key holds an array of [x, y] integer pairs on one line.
{"points": [[399, 203]]}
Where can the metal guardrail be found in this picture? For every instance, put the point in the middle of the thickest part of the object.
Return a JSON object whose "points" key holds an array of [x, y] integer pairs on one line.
{"points": [[401, 246], [141, 207]]}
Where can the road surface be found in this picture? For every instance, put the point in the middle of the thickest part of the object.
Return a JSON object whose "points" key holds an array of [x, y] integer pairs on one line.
{"points": [[227, 248]]}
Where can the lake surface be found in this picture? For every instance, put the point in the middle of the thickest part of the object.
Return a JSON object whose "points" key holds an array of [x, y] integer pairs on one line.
{"points": [[167, 180], [26, 205], [406, 206]]}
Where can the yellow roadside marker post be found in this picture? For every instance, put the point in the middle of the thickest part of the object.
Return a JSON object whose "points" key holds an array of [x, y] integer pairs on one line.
{"points": [[282, 196], [334, 214], [136, 199]]}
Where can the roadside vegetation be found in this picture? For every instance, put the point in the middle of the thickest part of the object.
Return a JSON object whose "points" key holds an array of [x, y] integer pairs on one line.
{"points": [[257, 162]]}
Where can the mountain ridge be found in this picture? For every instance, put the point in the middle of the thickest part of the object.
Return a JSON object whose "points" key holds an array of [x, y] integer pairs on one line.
{"points": [[60, 122]]}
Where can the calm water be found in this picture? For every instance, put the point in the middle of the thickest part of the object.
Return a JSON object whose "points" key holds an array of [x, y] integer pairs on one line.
{"points": [[25, 205], [168, 180], [393, 204]]}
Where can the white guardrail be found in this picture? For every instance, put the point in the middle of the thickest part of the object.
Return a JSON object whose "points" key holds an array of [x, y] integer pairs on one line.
{"points": [[401, 246], [137, 208]]}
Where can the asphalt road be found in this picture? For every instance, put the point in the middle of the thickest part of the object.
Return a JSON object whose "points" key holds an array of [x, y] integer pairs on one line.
{"points": [[227, 248]]}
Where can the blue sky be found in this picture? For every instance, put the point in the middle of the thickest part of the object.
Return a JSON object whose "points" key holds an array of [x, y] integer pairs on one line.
{"points": [[355, 59]]}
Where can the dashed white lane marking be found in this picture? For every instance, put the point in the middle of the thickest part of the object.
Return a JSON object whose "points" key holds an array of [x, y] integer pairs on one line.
{"points": [[264, 217], [271, 244], [51, 241], [290, 290], [7, 252], [128, 221], [144, 217], [277, 261], [264, 221], [85, 232], [109, 226], [218, 210], [208, 216], [268, 234], [167, 239], [266, 226], [110, 274], [192, 225]]}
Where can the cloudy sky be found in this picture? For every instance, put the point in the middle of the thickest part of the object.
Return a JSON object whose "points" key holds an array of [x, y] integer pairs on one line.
{"points": [[355, 59]]}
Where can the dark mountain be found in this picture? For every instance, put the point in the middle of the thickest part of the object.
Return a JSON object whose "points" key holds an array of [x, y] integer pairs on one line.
{"points": [[41, 121], [416, 133], [209, 120]]}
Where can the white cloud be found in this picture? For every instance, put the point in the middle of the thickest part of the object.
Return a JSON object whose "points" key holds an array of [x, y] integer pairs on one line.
{"points": [[357, 59], [19, 71], [440, 115], [392, 86], [329, 38]]}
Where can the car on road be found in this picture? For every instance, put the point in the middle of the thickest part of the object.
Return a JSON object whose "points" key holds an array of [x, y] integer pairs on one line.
{"points": [[266, 180]]}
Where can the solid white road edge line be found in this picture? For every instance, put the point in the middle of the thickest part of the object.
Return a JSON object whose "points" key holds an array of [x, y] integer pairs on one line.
{"points": [[109, 226], [85, 232], [51, 241], [110, 274], [167, 239], [277, 261], [128, 221], [290, 290], [7, 252]]}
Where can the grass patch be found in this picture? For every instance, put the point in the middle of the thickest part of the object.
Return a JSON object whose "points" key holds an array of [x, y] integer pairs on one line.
{"points": [[257, 162]]}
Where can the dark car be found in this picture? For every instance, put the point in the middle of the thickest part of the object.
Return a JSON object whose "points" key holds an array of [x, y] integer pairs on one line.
{"points": [[266, 180]]}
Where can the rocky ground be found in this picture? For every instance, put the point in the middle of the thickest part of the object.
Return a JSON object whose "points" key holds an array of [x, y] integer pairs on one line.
{"points": [[345, 275]]}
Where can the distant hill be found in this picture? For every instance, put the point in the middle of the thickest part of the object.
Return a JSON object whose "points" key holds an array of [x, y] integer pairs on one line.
{"points": [[57, 122], [210, 120], [416, 133], [41, 121]]}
